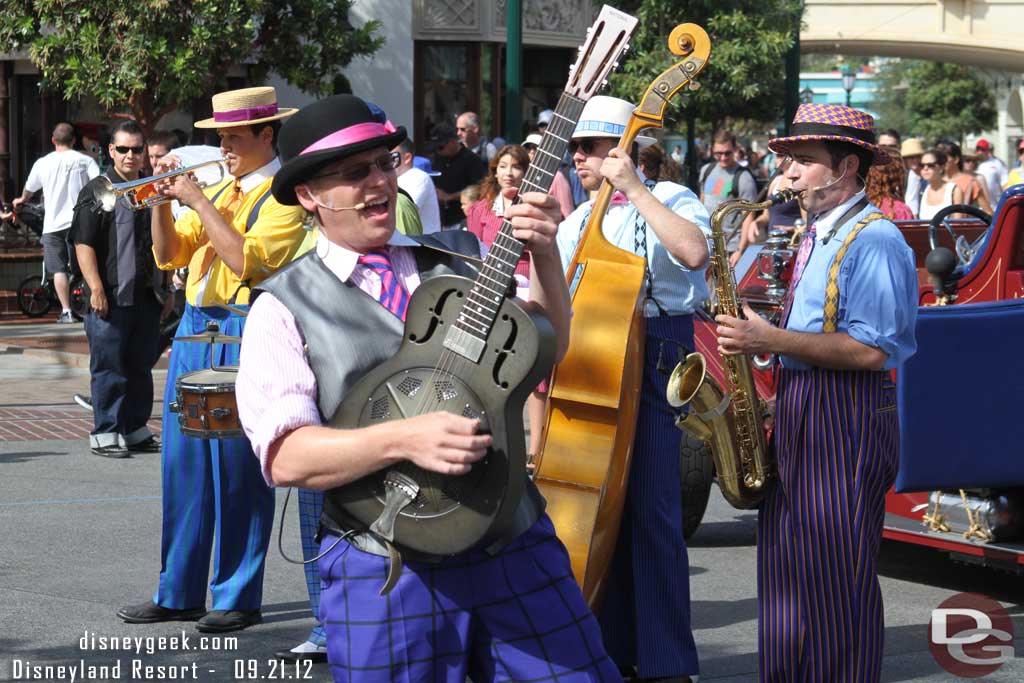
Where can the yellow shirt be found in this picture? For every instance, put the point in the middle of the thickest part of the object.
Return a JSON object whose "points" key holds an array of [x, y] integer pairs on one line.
{"points": [[271, 244]]}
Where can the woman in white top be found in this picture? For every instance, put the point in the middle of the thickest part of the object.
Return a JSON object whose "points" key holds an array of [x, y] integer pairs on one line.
{"points": [[939, 192]]}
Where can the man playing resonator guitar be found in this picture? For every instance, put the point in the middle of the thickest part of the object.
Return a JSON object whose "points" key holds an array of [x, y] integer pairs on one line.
{"points": [[513, 611], [847, 319]]}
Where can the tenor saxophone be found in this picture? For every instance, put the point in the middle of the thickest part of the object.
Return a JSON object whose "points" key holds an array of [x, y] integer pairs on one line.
{"points": [[729, 422]]}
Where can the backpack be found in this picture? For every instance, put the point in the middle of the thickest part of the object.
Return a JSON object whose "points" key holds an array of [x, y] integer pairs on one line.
{"points": [[734, 192]]}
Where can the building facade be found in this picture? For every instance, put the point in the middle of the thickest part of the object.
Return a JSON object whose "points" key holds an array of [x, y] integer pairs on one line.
{"points": [[439, 58]]}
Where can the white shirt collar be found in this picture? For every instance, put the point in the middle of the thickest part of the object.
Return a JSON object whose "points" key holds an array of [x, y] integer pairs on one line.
{"points": [[342, 261], [825, 225], [250, 180]]}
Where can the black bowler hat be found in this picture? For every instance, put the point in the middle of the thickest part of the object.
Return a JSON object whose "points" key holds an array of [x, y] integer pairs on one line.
{"points": [[326, 131]]}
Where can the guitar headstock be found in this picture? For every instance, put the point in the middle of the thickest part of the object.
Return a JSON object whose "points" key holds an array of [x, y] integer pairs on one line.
{"points": [[607, 40], [691, 42]]}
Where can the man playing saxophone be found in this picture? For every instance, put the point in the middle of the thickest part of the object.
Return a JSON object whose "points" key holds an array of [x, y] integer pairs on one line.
{"points": [[847, 320]]}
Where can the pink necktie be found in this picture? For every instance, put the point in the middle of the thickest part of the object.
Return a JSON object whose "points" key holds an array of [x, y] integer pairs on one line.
{"points": [[392, 294], [802, 257]]}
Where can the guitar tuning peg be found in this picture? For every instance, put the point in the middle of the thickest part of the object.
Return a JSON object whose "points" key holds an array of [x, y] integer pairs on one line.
{"points": [[625, 48], [615, 65], [694, 85], [604, 83]]}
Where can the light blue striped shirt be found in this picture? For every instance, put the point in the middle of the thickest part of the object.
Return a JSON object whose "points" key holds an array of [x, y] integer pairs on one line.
{"points": [[878, 289], [676, 288]]}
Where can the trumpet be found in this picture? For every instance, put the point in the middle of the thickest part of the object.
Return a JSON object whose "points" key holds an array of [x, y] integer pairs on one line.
{"points": [[142, 194]]}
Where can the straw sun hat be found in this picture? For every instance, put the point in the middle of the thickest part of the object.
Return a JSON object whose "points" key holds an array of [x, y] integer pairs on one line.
{"points": [[245, 106]]}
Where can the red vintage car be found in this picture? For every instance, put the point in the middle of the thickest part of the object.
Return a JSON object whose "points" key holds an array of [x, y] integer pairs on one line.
{"points": [[960, 486]]}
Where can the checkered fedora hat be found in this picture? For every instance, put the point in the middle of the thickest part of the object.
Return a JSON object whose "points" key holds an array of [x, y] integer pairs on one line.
{"points": [[832, 122]]}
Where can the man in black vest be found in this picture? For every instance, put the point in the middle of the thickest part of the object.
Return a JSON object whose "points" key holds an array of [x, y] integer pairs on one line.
{"points": [[509, 610], [123, 323]]}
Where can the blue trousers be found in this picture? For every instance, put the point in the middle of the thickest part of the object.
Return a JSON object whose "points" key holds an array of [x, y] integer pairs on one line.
{"points": [[820, 614], [311, 504], [518, 615], [645, 618], [121, 352], [212, 490]]}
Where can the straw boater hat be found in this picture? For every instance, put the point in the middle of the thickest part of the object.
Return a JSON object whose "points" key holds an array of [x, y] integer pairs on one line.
{"points": [[607, 117], [911, 147], [814, 122], [245, 106], [326, 131]]}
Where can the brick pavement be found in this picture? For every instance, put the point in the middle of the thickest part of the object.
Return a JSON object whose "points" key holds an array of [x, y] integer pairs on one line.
{"points": [[41, 423]]}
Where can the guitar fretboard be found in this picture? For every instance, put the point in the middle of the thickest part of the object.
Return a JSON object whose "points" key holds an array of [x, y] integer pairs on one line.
{"points": [[497, 273]]}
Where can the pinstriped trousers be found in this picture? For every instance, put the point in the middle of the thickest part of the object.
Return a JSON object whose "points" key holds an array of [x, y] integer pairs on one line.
{"points": [[645, 618], [212, 490], [820, 527]]}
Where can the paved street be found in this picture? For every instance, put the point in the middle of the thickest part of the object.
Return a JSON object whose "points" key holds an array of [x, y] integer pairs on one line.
{"points": [[81, 537]]}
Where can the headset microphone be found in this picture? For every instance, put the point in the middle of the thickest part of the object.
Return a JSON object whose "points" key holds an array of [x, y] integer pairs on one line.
{"points": [[357, 207], [829, 183]]}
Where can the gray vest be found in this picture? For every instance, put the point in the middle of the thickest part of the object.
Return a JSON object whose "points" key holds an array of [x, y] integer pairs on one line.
{"points": [[323, 306]]}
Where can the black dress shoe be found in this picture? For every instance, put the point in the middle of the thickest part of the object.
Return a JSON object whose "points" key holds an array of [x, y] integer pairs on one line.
{"points": [[289, 656], [221, 621], [151, 613], [112, 451], [150, 444]]}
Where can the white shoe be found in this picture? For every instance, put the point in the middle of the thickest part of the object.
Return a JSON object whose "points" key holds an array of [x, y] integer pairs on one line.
{"points": [[66, 318], [84, 401]]}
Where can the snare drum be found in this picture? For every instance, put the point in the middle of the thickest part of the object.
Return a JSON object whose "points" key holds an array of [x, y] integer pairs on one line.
{"points": [[205, 403]]}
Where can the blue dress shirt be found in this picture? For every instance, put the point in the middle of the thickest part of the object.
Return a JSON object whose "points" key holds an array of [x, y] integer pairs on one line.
{"points": [[678, 289], [878, 291]]}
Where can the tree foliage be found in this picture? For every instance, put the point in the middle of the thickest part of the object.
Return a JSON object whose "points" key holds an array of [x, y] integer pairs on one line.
{"points": [[891, 96], [745, 76], [153, 56], [948, 101]]}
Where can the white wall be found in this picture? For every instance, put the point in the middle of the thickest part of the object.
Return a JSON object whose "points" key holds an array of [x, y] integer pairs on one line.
{"points": [[386, 78]]}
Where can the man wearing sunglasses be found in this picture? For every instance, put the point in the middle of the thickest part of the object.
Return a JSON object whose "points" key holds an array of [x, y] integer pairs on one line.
{"points": [[113, 251], [511, 610], [236, 235], [646, 611]]}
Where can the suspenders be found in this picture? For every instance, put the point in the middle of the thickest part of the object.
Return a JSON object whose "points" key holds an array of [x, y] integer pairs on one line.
{"points": [[251, 221]]}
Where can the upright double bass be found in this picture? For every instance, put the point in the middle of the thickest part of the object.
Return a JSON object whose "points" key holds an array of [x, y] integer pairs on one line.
{"points": [[595, 393]]}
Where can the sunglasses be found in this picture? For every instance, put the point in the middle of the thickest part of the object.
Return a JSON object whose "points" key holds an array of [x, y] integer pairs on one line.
{"points": [[932, 164], [588, 145], [121, 149], [360, 172]]}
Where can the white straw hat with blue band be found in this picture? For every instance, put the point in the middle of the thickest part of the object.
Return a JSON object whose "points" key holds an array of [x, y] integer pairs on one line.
{"points": [[607, 117]]}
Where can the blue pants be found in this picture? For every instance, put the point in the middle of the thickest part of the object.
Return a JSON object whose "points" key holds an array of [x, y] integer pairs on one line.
{"points": [[518, 615], [645, 618], [212, 488], [121, 353], [820, 615], [311, 504]]}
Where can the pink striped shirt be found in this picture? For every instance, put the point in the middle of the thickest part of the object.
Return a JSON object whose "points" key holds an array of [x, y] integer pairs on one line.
{"points": [[276, 389]]}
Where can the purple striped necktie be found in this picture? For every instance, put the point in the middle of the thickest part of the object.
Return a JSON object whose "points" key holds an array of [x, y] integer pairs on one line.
{"points": [[392, 294], [802, 257]]}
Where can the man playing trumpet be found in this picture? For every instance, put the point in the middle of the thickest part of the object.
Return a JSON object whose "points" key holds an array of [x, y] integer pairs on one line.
{"points": [[235, 236]]}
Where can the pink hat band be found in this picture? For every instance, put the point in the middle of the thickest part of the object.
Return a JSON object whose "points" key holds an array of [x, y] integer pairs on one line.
{"points": [[360, 132], [247, 114]]}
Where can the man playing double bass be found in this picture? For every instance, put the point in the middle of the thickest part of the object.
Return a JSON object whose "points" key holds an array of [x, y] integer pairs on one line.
{"points": [[645, 617], [510, 611], [847, 320]]}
